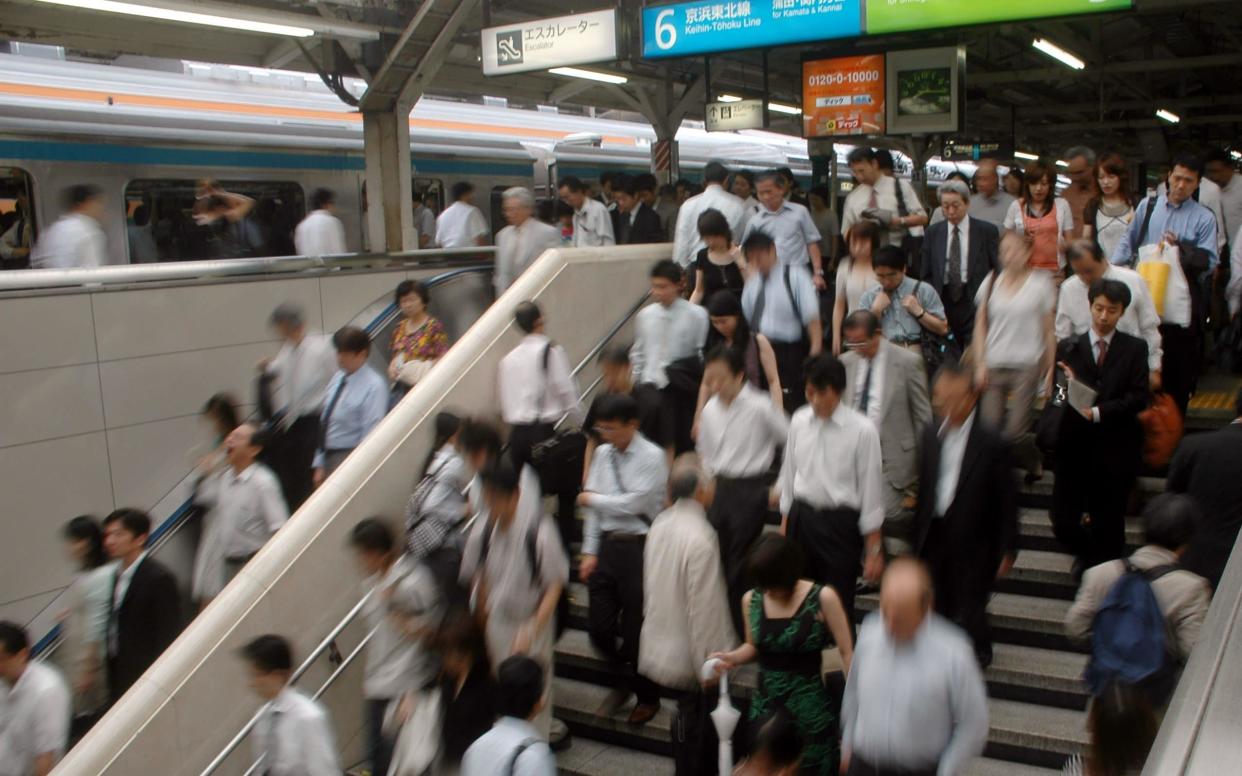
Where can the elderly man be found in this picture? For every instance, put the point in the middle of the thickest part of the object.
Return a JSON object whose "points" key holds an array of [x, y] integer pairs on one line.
{"points": [[958, 253], [592, 221], [990, 202], [686, 240], [685, 615], [915, 703], [523, 240]]}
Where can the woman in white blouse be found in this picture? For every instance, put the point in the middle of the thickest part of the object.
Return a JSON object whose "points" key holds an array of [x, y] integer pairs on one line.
{"points": [[854, 275], [1016, 346], [1107, 217], [84, 622]]}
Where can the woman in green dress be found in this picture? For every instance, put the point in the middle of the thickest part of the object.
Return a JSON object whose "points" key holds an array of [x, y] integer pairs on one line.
{"points": [[790, 621]]}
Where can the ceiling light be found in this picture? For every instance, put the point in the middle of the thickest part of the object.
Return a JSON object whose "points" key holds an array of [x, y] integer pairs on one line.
{"points": [[780, 107], [1062, 163], [1237, 155], [729, 98], [1058, 53], [1168, 116], [590, 75], [188, 17], [1025, 155]]}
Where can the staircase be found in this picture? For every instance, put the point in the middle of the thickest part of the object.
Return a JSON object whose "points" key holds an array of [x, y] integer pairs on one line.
{"points": [[1037, 699]]}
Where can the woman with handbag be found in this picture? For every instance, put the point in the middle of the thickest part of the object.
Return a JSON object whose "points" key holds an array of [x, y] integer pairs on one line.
{"points": [[419, 340], [1015, 346]]}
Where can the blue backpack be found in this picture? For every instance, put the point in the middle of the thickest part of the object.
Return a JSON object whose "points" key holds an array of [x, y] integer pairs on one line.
{"points": [[1130, 636]]}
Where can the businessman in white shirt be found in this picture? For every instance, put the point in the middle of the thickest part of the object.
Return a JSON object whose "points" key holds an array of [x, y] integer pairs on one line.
{"points": [[461, 225], [76, 239], [321, 233], [592, 221], [686, 240], [35, 713], [293, 736]]}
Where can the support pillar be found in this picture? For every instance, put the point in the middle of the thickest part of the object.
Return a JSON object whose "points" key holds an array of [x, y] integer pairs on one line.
{"points": [[386, 142], [664, 162]]}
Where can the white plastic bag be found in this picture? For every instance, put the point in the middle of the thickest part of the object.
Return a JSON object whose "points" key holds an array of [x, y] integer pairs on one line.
{"points": [[1161, 267], [418, 743]]}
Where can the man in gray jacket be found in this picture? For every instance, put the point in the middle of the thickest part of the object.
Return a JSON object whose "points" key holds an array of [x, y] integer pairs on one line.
{"points": [[888, 384]]}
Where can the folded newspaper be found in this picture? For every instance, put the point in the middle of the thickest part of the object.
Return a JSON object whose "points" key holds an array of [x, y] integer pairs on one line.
{"points": [[1081, 396]]}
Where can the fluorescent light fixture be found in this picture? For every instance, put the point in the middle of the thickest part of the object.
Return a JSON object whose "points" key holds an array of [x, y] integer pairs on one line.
{"points": [[1062, 163], [729, 98], [188, 17], [590, 75], [1025, 155], [1237, 155], [1058, 53], [1168, 116], [780, 107]]}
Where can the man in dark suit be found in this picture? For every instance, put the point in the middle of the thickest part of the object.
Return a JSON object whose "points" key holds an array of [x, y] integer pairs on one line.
{"points": [[1098, 447], [966, 525], [1208, 468], [958, 253], [633, 222], [144, 611]]}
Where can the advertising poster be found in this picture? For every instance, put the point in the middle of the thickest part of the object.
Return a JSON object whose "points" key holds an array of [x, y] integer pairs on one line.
{"points": [[843, 96], [883, 16]]}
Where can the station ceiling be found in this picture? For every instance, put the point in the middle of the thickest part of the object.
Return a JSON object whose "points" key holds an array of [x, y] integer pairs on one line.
{"points": [[1181, 55]]}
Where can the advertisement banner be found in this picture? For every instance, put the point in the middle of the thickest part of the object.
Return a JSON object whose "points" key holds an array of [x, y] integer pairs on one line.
{"points": [[885, 16], [708, 26], [843, 96], [543, 43]]}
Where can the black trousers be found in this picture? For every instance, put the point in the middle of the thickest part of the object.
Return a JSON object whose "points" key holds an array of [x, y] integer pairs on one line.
{"points": [[738, 514], [522, 439], [615, 614], [1082, 489], [833, 548], [673, 411], [963, 581], [379, 746], [695, 745], [961, 318], [860, 767], [290, 457], [1179, 368], [790, 359]]}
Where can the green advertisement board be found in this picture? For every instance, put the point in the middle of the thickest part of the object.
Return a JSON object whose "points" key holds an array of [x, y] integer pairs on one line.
{"points": [[903, 15]]}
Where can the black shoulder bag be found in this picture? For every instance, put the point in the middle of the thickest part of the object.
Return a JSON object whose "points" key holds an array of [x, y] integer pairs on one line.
{"points": [[560, 458], [911, 245]]}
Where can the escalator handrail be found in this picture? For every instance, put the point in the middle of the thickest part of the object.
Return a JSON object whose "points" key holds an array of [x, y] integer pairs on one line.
{"points": [[170, 527], [237, 740]]}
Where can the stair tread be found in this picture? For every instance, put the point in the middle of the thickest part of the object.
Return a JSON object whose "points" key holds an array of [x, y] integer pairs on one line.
{"points": [[1010, 610]]}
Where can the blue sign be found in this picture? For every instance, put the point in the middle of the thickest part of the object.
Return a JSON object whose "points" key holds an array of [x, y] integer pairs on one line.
{"points": [[708, 26]]}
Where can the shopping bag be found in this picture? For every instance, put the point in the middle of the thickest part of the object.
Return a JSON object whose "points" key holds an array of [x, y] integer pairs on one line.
{"points": [[1162, 430], [418, 742], [1161, 268]]}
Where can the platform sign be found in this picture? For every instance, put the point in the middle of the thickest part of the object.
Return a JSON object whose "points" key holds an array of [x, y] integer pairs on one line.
{"points": [[740, 114], [709, 26], [543, 43], [884, 16], [968, 151], [843, 96]]}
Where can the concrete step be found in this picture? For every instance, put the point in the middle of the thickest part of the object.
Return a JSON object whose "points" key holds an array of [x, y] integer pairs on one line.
{"points": [[1019, 732], [1039, 494], [1016, 619], [1041, 573], [1035, 531]]}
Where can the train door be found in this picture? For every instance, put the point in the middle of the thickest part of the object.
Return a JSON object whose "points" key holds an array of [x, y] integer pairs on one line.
{"points": [[17, 218]]}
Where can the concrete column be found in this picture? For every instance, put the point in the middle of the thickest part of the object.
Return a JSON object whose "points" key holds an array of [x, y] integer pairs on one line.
{"points": [[386, 141]]}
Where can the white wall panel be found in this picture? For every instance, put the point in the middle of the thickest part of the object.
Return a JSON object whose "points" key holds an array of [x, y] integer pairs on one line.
{"points": [[46, 331], [149, 459], [143, 323], [344, 294], [49, 403]]}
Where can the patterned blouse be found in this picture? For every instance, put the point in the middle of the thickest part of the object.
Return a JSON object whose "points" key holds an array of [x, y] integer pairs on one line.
{"points": [[424, 343]]}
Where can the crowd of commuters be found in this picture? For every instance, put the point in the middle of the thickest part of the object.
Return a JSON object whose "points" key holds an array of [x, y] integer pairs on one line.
{"points": [[891, 465]]}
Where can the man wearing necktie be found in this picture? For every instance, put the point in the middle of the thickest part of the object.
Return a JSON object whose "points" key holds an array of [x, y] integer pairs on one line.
{"points": [[356, 401], [1098, 449], [957, 254]]}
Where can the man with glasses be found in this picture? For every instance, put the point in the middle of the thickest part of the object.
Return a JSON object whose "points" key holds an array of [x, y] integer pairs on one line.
{"points": [[904, 306], [957, 254]]}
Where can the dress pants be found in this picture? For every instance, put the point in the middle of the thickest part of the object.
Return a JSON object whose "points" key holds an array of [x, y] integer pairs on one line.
{"points": [[1083, 489], [860, 767], [615, 615], [833, 547], [695, 745], [291, 457], [1179, 368], [962, 577], [522, 440], [379, 746], [790, 359], [961, 319], [738, 514], [1017, 389], [673, 410]]}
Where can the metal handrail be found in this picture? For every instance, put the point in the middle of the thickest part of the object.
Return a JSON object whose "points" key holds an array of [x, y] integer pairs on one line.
{"points": [[38, 279], [237, 740]]}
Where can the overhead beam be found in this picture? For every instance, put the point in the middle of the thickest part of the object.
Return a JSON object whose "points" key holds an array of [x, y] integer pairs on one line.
{"points": [[1112, 68], [1177, 102], [285, 52]]}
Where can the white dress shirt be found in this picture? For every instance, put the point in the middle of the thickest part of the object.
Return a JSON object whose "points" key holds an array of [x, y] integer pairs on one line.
{"points": [[686, 240], [834, 463], [319, 234], [528, 392], [1095, 340], [294, 737], [247, 506], [362, 405], [791, 228], [1140, 318], [593, 225], [952, 449], [964, 232], [123, 577], [1231, 210], [493, 752], [663, 335], [885, 190], [34, 719], [75, 240], [301, 374], [739, 439], [875, 396], [626, 486], [518, 246], [459, 226]]}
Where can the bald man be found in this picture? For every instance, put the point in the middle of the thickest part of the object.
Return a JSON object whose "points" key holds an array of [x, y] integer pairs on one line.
{"points": [[990, 202], [910, 666]]}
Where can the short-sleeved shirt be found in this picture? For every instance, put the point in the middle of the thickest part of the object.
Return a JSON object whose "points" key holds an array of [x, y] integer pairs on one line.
{"points": [[791, 227], [460, 225], [898, 324], [34, 719], [1016, 320], [718, 277], [426, 342], [779, 321]]}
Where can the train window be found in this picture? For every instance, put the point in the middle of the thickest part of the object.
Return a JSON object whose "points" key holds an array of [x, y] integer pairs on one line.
{"points": [[17, 221], [432, 190], [187, 220]]}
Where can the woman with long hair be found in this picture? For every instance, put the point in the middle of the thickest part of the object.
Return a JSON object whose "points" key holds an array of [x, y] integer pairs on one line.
{"points": [[84, 622], [854, 275], [1043, 217], [1108, 216]]}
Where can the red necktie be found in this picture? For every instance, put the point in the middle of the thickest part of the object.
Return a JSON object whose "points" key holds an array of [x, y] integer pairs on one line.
{"points": [[1102, 347]]}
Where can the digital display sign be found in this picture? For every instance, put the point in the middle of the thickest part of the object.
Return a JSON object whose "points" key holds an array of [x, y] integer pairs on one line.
{"points": [[843, 96]]}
